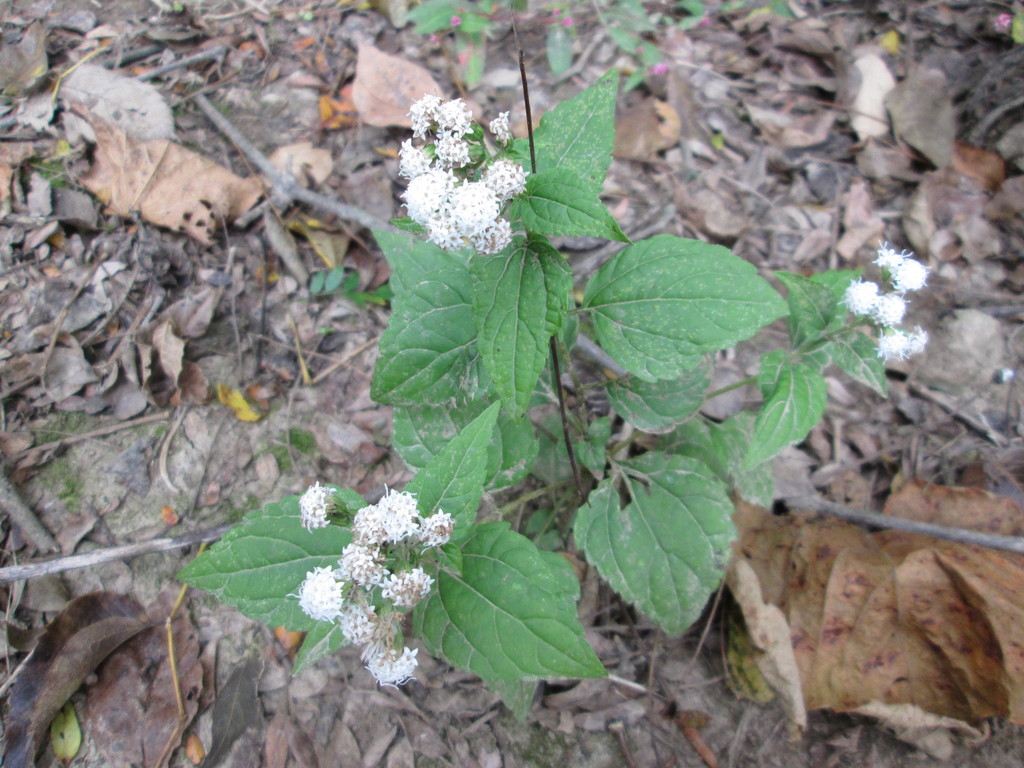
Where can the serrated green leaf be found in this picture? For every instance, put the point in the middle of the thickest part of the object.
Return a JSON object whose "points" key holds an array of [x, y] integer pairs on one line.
{"points": [[453, 481], [434, 16], [561, 202], [557, 282], [517, 695], [659, 406], [510, 306], [258, 565], [795, 397], [660, 304], [324, 638], [723, 447], [421, 432], [508, 616], [857, 354], [812, 308], [666, 552], [591, 452], [579, 134], [410, 257], [428, 352]]}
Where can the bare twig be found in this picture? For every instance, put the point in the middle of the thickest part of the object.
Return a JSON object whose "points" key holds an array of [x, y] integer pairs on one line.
{"points": [[21, 514], [977, 423], [217, 52], [39, 568], [100, 432], [284, 187], [863, 517]]}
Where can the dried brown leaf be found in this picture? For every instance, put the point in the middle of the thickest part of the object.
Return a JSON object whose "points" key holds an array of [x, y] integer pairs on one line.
{"points": [[169, 185], [899, 618], [132, 710], [386, 86], [923, 116], [81, 636]]}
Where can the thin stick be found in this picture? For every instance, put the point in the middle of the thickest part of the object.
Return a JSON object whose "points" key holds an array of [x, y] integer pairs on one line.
{"points": [[22, 515], [283, 185], [526, 95], [39, 568], [863, 517], [100, 432]]}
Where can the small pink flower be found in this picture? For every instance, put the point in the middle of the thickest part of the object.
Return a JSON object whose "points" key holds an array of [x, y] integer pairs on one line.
{"points": [[1003, 22], [456, 20], [568, 21], [706, 21], [661, 68], [435, 39], [556, 13]]}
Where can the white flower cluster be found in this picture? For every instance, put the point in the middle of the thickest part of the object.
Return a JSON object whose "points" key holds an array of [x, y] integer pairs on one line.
{"points": [[387, 539], [442, 196], [887, 310]]}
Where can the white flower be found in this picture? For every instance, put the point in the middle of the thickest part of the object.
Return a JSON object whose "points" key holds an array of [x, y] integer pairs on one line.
{"points": [[427, 194], [315, 506], [474, 208], [393, 669], [493, 239], [368, 526], [888, 258], [424, 114], [889, 310], [894, 345], [412, 161], [320, 595], [861, 297], [401, 516], [452, 151], [358, 623], [407, 588], [500, 129], [505, 179], [917, 341], [436, 530], [454, 117], [361, 565], [910, 275], [442, 231]]}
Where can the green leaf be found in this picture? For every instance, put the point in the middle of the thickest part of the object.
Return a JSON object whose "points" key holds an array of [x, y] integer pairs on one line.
{"points": [[591, 452], [579, 134], [258, 565], [666, 552], [420, 432], [557, 282], [795, 397], [517, 695], [659, 406], [661, 303], [723, 447], [559, 49], [561, 202], [509, 616], [410, 257], [857, 354], [433, 16], [812, 308], [453, 481], [428, 352], [324, 638], [510, 308]]}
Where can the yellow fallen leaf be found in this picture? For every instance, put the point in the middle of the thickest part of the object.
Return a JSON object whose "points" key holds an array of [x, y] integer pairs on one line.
{"points": [[65, 734], [890, 42], [236, 401]]}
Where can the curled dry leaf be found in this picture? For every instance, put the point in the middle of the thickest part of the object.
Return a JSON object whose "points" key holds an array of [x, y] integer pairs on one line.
{"points": [[71, 647], [874, 81], [922, 115], [169, 185], [898, 618], [386, 86]]}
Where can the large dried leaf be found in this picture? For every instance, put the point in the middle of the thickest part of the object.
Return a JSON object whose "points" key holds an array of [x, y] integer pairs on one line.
{"points": [[169, 185], [132, 710], [899, 618], [386, 86], [70, 648], [135, 107]]}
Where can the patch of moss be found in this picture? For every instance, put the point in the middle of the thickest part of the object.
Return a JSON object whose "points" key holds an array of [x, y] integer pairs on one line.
{"points": [[66, 482], [63, 425], [280, 452], [234, 515], [302, 440]]}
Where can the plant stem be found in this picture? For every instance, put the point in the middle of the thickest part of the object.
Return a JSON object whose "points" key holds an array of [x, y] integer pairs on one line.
{"points": [[730, 387]]}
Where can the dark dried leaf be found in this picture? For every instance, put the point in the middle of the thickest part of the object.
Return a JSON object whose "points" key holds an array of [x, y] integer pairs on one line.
{"points": [[71, 647], [237, 708]]}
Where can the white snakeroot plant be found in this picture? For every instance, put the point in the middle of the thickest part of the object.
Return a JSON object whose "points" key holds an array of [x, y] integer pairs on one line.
{"points": [[483, 304]]}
